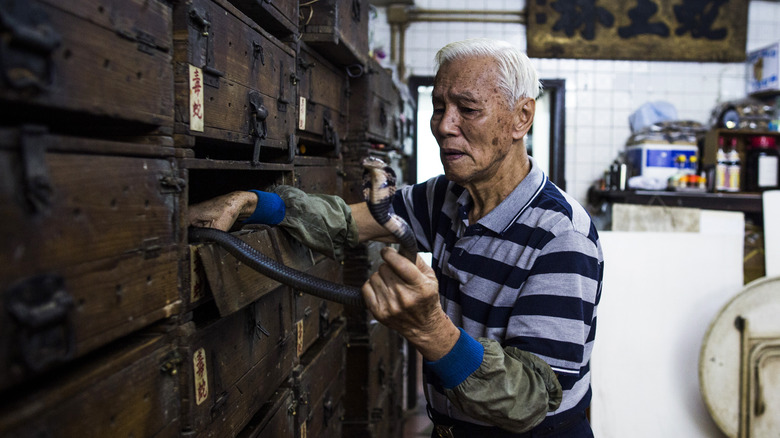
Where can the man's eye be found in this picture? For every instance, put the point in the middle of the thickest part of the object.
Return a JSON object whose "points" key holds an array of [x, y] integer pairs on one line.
{"points": [[467, 110]]}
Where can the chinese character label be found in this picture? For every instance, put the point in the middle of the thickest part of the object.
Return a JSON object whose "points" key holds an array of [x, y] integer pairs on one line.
{"points": [[299, 329], [302, 113], [196, 99], [201, 376]]}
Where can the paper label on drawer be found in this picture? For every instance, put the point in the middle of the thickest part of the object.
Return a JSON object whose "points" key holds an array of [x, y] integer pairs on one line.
{"points": [[196, 99], [302, 113], [299, 338], [201, 376]]}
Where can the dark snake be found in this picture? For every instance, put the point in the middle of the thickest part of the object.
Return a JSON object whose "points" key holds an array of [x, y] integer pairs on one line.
{"points": [[379, 187]]}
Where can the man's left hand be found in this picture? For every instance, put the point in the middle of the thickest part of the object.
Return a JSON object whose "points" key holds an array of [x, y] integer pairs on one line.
{"points": [[405, 297]]}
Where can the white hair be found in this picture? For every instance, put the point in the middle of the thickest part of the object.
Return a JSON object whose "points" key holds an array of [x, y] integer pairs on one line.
{"points": [[518, 78]]}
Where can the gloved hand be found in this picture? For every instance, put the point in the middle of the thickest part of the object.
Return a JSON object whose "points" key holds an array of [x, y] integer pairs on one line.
{"points": [[324, 223]]}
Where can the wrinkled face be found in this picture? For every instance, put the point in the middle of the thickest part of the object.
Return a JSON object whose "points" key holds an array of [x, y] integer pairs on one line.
{"points": [[471, 121]]}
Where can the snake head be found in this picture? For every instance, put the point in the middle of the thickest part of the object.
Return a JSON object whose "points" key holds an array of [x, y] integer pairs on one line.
{"points": [[378, 180]]}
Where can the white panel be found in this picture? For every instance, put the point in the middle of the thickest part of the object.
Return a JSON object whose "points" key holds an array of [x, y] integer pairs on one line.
{"points": [[661, 291], [771, 201]]}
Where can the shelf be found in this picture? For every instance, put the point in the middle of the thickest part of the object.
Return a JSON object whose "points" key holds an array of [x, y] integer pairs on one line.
{"points": [[744, 202]]}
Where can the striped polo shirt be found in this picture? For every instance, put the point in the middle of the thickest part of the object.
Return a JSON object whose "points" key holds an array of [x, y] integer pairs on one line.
{"points": [[527, 275]]}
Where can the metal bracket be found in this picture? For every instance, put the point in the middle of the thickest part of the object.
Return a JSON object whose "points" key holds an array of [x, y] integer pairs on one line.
{"points": [[257, 52], [200, 20], [26, 45], [41, 307], [281, 101], [37, 189], [259, 128]]}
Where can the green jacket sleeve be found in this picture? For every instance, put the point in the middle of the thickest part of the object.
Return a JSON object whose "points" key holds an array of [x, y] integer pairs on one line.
{"points": [[324, 223], [510, 388]]}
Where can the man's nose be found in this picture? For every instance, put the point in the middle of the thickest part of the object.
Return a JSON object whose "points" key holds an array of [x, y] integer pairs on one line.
{"points": [[448, 124]]}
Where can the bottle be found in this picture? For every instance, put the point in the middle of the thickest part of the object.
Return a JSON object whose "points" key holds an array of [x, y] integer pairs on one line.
{"points": [[720, 167], [761, 164], [693, 174], [733, 168]]}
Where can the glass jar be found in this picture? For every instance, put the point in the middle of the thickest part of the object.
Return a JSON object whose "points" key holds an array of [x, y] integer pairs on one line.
{"points": [[761, 164]]}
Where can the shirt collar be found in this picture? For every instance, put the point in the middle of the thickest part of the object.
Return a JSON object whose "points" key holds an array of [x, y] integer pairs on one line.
{"points": [[507, 212]]}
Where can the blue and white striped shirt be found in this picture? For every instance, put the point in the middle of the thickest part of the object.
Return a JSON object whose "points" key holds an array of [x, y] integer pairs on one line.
{"points": [[527, 275]]}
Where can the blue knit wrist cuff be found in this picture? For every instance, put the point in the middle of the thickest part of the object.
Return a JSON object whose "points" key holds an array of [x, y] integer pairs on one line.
{"points": [[270, 209], [464, 358]]}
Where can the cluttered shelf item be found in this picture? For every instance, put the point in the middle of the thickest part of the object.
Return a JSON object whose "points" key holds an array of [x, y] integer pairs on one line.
{"points": [[744, 202]]}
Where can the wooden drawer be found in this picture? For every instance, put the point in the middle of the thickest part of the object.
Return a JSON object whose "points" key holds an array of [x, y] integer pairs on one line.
{"points": [[315, 317], [276, 419], [372, 360], [233, 365], [244, 77], [338, 29], [318, 175], [217, 274], [95, 58], [91, 246], [374, 107], [319, 383], [128, 390], [280, 18], [322, 104]]}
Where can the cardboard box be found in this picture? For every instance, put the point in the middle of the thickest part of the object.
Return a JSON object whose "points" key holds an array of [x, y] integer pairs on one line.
{"points": [[762, 70], [657, 160]]}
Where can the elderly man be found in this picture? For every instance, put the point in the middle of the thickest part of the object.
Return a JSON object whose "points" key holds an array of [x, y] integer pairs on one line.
{"points": [[506, 316]]}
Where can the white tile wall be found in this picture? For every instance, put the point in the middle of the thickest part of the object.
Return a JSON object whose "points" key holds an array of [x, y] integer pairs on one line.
{"points": [[600, 95]]}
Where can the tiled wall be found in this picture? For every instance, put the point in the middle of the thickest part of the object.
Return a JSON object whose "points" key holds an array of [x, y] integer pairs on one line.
{"points": [[600, 95]]}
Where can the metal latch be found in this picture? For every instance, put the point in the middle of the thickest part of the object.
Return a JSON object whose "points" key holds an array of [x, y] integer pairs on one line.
{"points": [[37, 183], [257, 52], [329, 135], [26, 45], [41, 308], [200, 20], [281, 101], [170, 363], [259, 128], [172, 184]]}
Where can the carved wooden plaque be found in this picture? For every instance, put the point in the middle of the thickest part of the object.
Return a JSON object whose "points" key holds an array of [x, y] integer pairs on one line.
{"points": [[680, 30]]}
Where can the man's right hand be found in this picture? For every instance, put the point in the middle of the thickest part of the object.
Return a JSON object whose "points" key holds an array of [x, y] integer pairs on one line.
{"points": [[223, 211]]}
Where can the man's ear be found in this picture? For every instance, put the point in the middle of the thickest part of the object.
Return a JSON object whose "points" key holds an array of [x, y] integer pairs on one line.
{"points": [[523, 117]]}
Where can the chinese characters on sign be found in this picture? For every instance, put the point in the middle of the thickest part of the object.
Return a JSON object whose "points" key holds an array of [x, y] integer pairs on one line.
{"points": [[196, 99], [690, 30], [201, 376]]}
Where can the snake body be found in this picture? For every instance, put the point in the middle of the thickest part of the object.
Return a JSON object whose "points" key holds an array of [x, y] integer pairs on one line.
{"points": [[379, 187]]}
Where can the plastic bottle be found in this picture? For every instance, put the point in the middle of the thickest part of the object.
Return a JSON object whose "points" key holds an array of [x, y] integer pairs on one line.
{"points": [[761, 164], [692, 179], [721, 167], [733, 170]]}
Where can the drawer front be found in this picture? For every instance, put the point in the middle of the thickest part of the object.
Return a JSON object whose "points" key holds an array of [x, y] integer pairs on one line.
{"points": [[319, 383], [315, 318], [280, 18], [130, 390], [233, 365], [101, 58], [322, 104], [246, 78], [338, 29], [375, 107], [275, 419], [91, 248]]}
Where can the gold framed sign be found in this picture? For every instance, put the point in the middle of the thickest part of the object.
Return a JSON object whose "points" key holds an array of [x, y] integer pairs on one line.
{"points": [[671, 30]]}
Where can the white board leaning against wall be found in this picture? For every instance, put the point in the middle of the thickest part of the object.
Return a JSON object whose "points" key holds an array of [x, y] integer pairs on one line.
{"points": [[661, 290]]}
